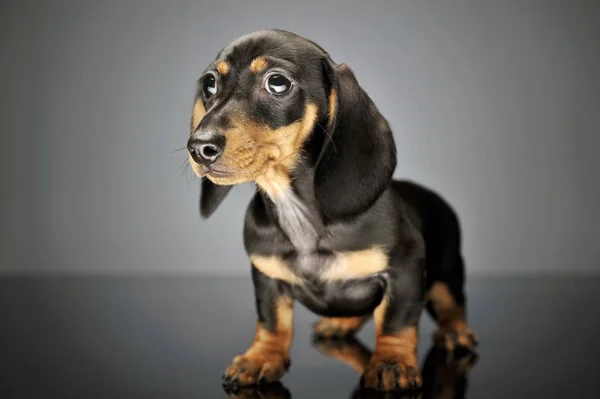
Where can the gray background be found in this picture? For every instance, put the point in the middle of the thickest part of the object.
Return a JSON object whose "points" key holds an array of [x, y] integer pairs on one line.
{"points": [[495, 104]]}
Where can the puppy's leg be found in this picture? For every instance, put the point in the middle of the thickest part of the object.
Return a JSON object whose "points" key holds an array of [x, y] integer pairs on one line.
{"points": [[338, 327], [394, 364], [267, 359], [446, 303]]}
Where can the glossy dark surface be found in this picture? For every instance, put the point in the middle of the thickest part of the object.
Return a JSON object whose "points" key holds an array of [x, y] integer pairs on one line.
{"points": [[172, 337]]}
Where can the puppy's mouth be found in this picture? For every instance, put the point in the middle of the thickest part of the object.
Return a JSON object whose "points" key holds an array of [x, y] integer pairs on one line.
{"points": [[219, 174], [210, 171]]}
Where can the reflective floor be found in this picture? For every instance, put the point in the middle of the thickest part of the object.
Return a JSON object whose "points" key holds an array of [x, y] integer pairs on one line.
{"points": [[172, 337]]}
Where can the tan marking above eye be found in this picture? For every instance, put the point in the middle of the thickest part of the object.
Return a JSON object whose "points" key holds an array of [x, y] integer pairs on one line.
{"points": [[259, 64], [223, 67], [356, 264]]}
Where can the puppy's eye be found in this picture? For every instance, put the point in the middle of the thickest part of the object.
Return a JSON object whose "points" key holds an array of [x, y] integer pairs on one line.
{"points": [[209, 86], [278, 84]]}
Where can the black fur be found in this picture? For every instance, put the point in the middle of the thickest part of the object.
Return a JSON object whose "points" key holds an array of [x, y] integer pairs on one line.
{"points": [[211, 196], [359, 159]]}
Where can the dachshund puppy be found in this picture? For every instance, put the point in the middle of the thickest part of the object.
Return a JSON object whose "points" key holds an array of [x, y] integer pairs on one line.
{"points": [[328, 226]]}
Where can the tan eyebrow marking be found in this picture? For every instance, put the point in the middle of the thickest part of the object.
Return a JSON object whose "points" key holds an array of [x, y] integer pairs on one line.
{"points": [[223, 67], [258, 64]]}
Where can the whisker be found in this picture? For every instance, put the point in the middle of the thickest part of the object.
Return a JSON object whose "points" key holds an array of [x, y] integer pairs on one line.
{"points": [[303, 165], [192, 174], [185, 171], [182, 166], [180, 149], [328, 135]]}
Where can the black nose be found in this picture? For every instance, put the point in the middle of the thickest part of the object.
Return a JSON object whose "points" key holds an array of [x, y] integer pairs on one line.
{"points": [[206, 152]]}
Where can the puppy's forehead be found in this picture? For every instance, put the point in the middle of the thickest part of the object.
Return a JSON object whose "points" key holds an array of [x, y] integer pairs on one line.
{"points": [[268, 44]]}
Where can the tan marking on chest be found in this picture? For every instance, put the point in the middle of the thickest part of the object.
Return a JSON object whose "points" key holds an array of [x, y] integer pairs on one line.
{"points": [[346, 266], [356, 264], [276, 268]]}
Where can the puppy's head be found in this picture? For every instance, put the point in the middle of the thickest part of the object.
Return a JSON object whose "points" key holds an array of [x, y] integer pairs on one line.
{"points": [[272, 100]]}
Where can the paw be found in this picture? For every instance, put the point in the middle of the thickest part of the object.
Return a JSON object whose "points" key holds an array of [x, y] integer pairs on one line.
{"points": [[269, 391], [389, 374], [337, 327], [463, 363], [450, 366], [255, 369], [451, 338]]}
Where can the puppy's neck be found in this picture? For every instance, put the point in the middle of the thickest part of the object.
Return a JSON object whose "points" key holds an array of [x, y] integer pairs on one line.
{"points": [[275, 182], [298, 218]]}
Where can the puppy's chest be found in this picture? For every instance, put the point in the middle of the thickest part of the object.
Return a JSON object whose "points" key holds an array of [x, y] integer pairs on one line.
{"points": [[321, 267], [299, 249], [336, 284]]}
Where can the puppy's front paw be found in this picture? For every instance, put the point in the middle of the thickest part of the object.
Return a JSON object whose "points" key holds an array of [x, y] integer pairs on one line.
{"points": [[391, 373], [256, 368]]}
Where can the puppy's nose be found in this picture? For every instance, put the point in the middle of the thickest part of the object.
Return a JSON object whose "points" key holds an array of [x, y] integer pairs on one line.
{"points": [[206, 152]]}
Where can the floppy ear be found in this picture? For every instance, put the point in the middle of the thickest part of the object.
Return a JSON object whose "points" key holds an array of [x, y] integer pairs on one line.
{"points": [[211, 196], [359, 155]]}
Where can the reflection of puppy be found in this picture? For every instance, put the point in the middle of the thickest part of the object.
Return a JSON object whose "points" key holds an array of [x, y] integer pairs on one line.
{"points": [[328, 227], [444, 376], [348, 350], [274, 390]]}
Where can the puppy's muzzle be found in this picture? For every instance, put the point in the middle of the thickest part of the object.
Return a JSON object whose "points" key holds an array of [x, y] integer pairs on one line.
{"points": [[206, 151]]}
